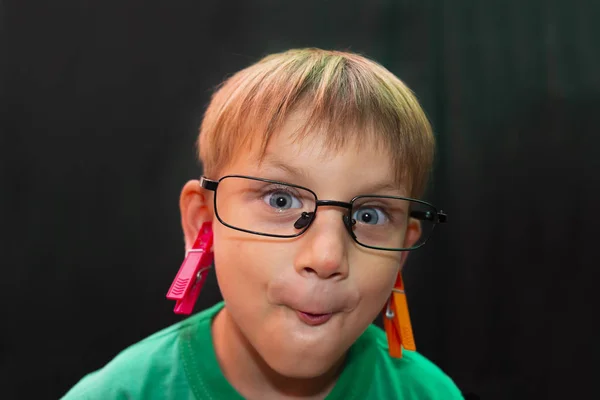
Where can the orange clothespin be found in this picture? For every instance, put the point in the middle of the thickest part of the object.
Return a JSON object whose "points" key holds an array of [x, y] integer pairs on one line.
{"points": [[396, 321]]}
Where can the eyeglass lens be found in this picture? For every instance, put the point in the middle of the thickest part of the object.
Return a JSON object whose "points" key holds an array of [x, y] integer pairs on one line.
{"points": [[283, 210]]}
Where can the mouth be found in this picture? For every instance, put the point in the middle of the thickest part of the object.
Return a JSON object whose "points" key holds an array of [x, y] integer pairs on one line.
{"points": [[313, 319]]}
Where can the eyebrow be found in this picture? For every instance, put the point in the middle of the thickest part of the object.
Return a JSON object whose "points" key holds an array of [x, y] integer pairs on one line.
{"points": [[277, 164], [383, 186]]}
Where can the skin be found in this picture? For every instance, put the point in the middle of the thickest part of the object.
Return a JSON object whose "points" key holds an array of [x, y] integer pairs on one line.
{"points": [[265, 351]]}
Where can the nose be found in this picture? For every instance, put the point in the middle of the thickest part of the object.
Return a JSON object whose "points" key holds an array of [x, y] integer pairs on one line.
{"points": [[324, 246]]}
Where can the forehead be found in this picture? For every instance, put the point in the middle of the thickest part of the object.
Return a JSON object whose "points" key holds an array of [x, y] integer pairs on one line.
{"points": [[308, 157]]}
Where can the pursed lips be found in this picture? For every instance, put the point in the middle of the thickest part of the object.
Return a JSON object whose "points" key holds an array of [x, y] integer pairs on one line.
{"points": [[313, 319]]}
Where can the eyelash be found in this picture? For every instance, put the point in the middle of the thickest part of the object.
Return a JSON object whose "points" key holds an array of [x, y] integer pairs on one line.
{"points": [[271, 190]]}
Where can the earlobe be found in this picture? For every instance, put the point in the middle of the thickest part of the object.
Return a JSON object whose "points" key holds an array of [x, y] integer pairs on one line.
{"points": [[194, 210]]}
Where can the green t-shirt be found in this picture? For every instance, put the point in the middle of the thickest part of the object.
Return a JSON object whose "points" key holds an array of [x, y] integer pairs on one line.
{"points": [[179, 362]]}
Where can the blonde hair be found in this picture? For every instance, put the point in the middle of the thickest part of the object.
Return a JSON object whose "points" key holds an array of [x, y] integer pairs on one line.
{"points": [[344, 94]]}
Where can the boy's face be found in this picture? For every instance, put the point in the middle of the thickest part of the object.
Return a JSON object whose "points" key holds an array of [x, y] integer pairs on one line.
{"points": [[268, 282]]}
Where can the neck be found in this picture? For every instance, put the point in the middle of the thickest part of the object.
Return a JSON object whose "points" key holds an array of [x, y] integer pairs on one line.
{"points": [[252, 377]]}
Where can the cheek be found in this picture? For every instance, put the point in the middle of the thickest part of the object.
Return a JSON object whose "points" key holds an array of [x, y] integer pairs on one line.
{"points": [[374, 278], [243, 266], [235, 271]]}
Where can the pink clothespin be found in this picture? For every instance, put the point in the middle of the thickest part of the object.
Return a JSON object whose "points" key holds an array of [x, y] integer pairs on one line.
{"points": [[192, 273]]}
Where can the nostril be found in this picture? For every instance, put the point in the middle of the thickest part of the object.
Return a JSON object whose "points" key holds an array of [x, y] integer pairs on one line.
{"points": [[323, 274], [309, 270]]}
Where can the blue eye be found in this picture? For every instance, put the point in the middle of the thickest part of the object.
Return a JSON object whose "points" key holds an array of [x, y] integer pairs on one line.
{"points": [[369, 215], [282, 200]]}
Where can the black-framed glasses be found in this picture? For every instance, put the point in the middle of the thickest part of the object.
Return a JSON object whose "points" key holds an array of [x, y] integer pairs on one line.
{"points": [[278, 209]]}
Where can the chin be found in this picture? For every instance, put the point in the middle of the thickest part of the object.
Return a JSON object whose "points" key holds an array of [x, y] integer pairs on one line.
{"points": [[299, 363]]}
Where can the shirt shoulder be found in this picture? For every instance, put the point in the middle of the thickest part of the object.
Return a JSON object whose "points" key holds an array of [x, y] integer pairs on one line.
{"points": [[411, 377], [144, 370]]}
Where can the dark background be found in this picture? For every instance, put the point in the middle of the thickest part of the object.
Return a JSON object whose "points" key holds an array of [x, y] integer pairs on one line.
{"points": [[100, 107]]}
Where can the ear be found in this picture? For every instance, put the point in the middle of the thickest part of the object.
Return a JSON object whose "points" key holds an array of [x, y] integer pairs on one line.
{"points": [[413, 233], [195, 210]]}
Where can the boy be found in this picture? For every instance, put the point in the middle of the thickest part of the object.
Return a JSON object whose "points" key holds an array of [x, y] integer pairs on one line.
{"points": [[311, 161]]}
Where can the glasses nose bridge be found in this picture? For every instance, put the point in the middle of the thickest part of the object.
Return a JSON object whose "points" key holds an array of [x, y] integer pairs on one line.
{"points": [[334, 203], [346, 218]]}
